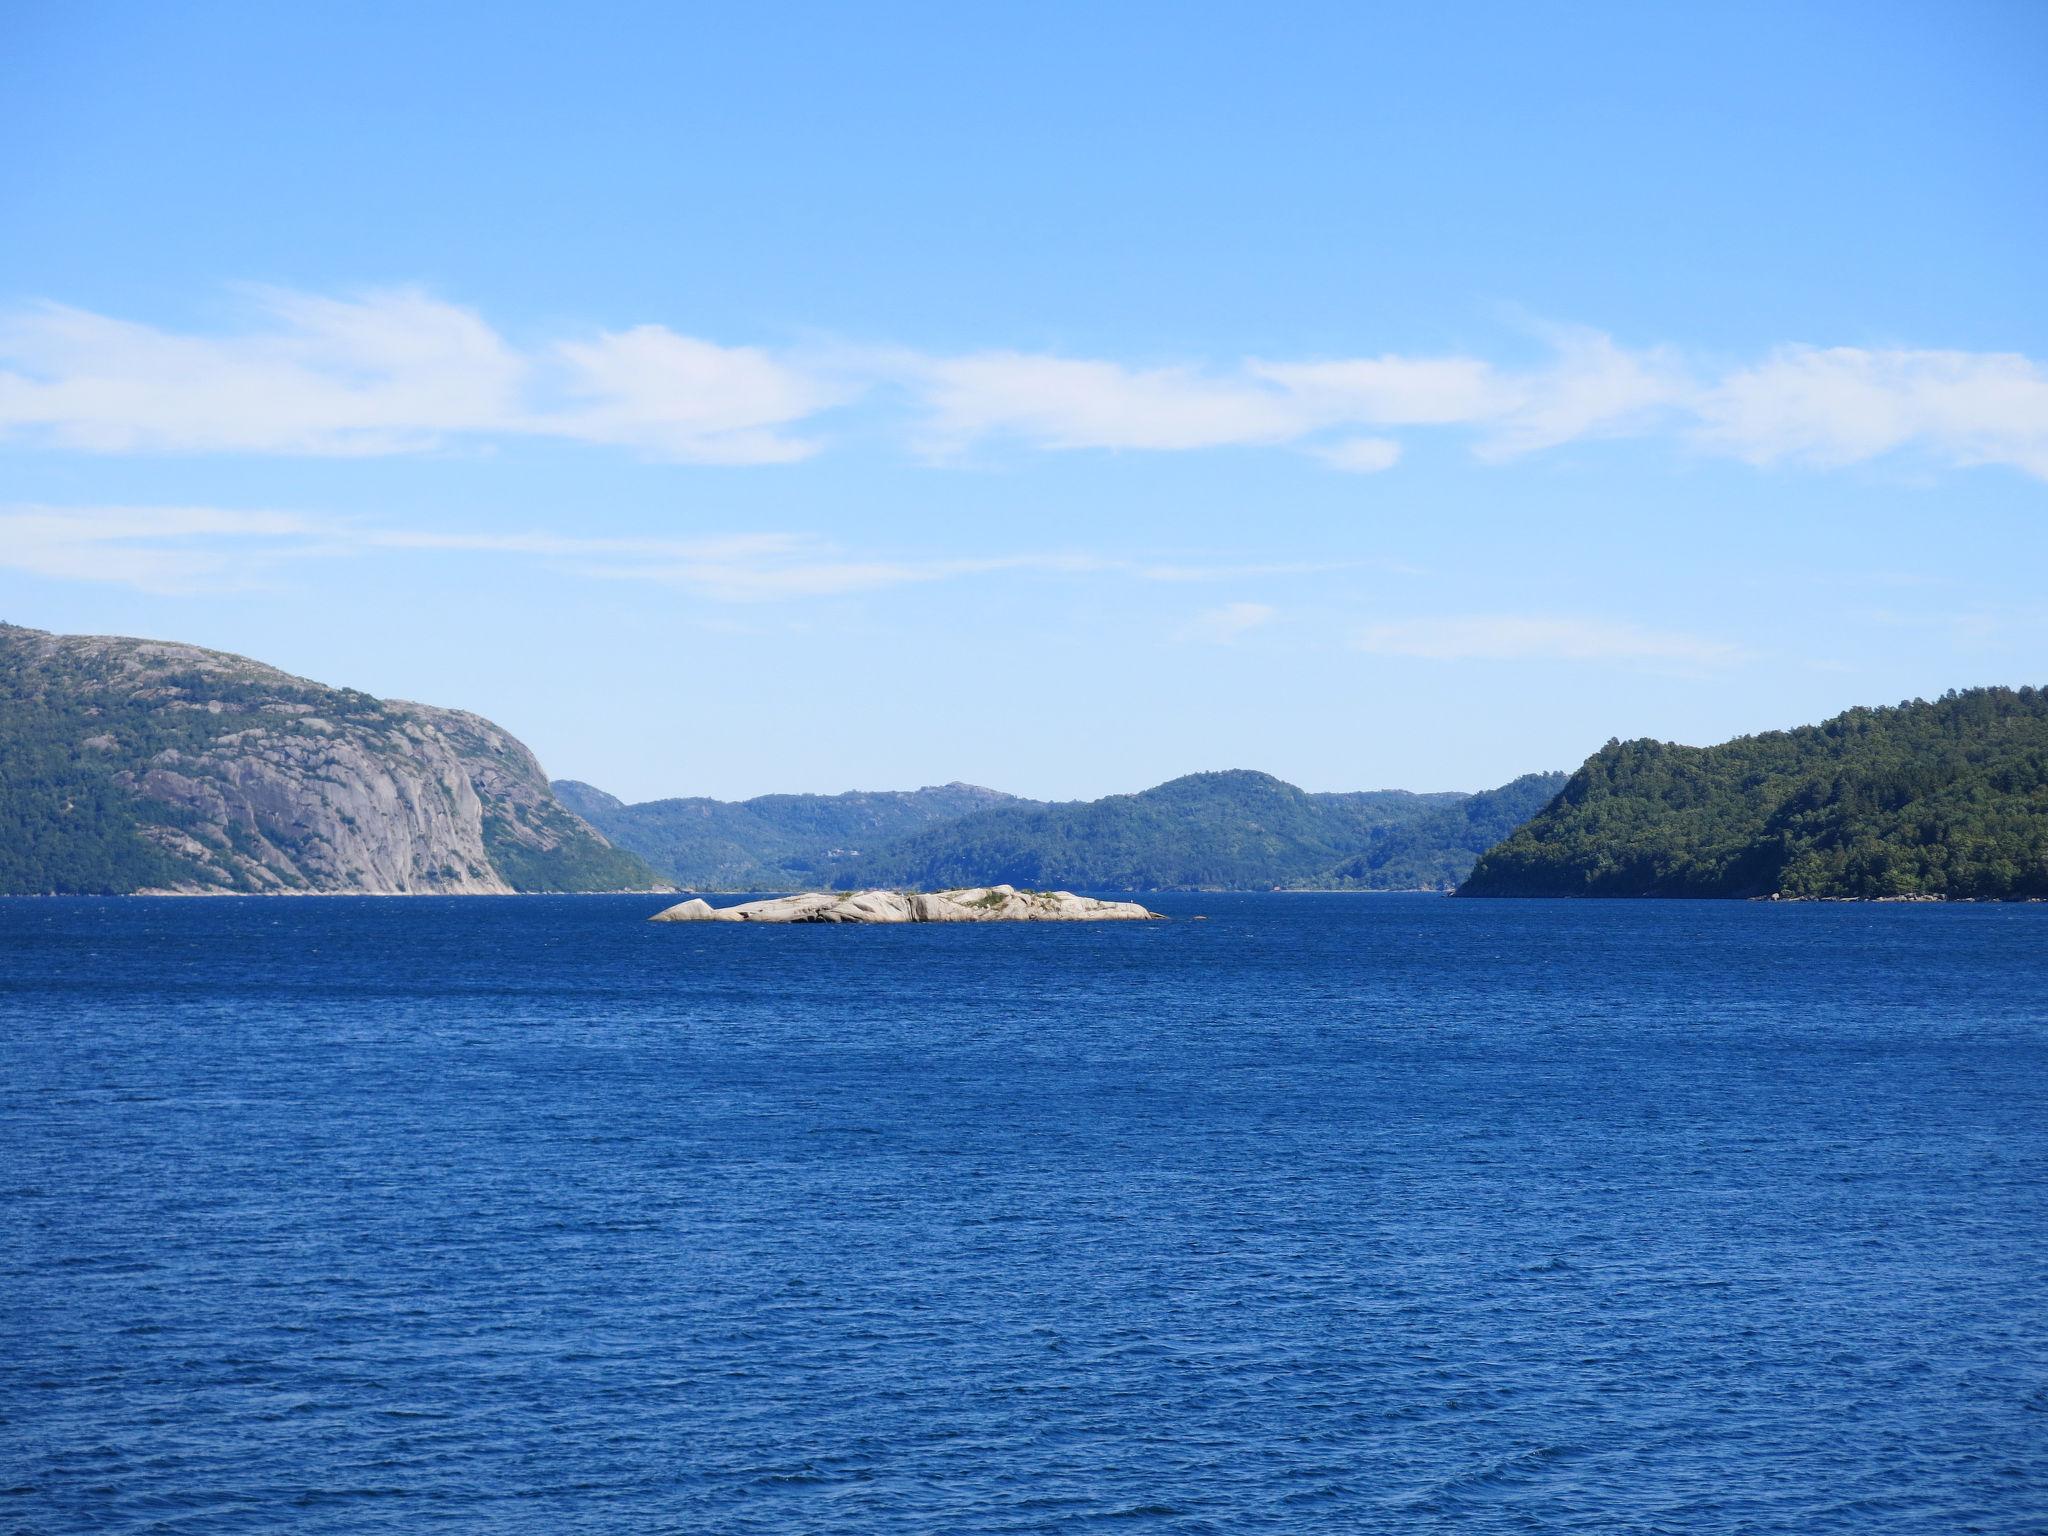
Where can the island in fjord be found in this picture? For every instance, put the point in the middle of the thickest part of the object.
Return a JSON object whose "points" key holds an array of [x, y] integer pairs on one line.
{"points": [[975, 904]]}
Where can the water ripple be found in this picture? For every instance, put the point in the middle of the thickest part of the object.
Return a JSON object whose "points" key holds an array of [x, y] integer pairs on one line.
{"points": [[1328, 1214]]}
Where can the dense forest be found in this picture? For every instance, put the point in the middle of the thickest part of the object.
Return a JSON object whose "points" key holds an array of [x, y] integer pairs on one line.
{"points": [[1947, 798], [1236, 830], [66, 824]]}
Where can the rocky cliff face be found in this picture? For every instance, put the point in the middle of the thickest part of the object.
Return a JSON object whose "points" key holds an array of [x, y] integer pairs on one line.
{"points": [[138, 764]]}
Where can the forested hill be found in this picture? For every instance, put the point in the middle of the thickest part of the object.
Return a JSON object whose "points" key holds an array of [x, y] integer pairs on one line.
{"points": [[1947, 798], [130, 765], [772, 842], [1237, 830]]}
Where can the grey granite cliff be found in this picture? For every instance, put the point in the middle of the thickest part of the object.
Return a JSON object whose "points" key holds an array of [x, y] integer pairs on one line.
{"points": [[207, 772]]}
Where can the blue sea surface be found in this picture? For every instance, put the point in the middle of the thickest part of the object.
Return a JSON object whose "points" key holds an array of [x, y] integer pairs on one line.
{"points": [[1330, 1213]]}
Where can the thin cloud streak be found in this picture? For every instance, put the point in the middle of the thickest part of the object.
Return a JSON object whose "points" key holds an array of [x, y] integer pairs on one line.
{"points": [[1361, 455], [1065, 403], [1525, 637], [1229, 623], [168, 551], [193, 550]]}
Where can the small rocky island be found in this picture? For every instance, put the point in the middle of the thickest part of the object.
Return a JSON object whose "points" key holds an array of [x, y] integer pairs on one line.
{"points": [[978, 904]]}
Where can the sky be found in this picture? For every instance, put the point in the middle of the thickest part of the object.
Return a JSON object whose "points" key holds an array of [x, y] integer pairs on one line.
{"points": [[736, 399]]}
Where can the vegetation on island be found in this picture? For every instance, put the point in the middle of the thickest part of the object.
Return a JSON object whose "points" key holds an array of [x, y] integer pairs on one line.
{"points": [[1942, 798]]}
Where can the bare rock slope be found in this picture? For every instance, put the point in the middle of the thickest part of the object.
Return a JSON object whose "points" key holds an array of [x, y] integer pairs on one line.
{"points": [[976, 904], [146, 765]]}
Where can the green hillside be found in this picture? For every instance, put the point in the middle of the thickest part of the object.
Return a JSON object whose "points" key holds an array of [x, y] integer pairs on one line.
{"points": [[772, 842], [1234, 830], [1947, 798]]}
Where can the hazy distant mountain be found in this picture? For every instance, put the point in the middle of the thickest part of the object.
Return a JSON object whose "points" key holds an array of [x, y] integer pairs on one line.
{"points": [[771, 842], [1234, 830], [1948, 798], [130, 765]]}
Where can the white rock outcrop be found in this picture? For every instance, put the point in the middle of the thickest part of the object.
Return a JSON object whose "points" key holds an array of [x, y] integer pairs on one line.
{"points": [[977, 904]]}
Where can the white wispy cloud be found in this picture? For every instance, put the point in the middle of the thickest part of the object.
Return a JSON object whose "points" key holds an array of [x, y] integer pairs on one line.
{"points": [[737, 545], [687, 399], [1361, 455], [392, 372], [166, 550], [193, 550], [1221, 626], [1829, 407], [1063, 402], [1844, 405], [1520, 637], [389, 371], [1982, 626], [1191, 573], [1392, 391], [400, 371], [1591, 388]]}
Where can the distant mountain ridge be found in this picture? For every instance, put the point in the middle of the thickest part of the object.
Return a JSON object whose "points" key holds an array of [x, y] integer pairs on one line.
{"points": [[1944, 798], [772, 841], [1237, 829], [131, 765]]}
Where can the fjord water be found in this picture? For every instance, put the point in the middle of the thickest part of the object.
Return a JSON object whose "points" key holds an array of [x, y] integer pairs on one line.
{"points": [[1325, 1214]]}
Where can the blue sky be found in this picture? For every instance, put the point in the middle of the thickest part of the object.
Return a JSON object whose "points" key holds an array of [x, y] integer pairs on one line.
{"points": [[1056, 397]]}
